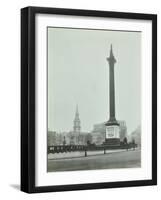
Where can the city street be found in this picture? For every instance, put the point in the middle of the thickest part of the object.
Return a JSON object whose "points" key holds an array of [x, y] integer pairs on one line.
{"points": [[125, 159]]}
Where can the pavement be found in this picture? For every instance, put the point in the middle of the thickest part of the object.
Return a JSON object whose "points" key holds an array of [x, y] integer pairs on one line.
{"points": [[113, 160]]}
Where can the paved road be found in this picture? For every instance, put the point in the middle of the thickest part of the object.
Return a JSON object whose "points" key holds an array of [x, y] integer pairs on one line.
{"points": [[127, 159]]}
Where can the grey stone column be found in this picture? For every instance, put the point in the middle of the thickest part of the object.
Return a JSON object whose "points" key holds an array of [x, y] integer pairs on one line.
{"points": [[111, 60]]}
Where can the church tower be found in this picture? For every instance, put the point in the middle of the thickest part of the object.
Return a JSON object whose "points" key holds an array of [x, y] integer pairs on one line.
{"points": [[76, 126]]}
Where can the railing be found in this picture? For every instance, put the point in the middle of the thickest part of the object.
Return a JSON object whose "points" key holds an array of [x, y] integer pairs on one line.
{"points": [[72, 148]]}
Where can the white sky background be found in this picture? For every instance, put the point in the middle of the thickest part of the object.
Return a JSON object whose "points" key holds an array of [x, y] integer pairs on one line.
{"points": [[78, 73]]}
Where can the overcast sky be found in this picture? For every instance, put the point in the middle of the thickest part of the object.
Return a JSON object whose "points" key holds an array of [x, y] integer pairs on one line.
{"points": [[78, 73]]}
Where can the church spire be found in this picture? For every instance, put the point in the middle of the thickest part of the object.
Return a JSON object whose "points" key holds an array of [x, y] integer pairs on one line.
{"points": [[77, 113], [76, 126]]}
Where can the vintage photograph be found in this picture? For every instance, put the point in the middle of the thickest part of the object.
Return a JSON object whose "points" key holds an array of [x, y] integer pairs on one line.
{"points": [[88, 99], [94, 99]]}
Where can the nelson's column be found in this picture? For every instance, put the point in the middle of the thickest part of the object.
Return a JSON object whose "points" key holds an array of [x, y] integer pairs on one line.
{"points": [[112, 126]]}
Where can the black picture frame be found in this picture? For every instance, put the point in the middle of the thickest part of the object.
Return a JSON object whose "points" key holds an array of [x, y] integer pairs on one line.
{"points": [[28, 98]]}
